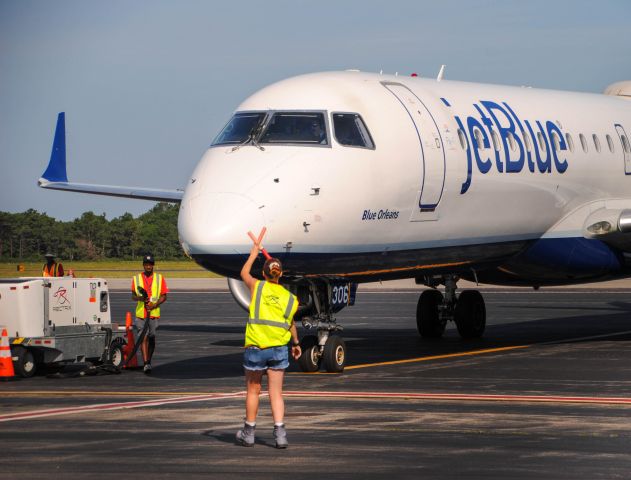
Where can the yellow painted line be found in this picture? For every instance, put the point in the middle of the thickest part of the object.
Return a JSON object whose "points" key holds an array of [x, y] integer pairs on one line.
{"points": [[418, 359], [438, 357], [473, 397]]}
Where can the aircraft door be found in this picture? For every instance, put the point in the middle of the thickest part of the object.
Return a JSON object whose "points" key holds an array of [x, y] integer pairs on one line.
{"points": [[624, 143], [432, 151]]}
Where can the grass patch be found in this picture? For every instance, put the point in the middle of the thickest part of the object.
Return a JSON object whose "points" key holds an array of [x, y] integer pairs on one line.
{"points": [[110, 269]]}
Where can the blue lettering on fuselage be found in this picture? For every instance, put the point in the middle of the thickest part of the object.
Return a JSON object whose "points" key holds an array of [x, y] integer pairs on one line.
{"points": [[500, 120]]}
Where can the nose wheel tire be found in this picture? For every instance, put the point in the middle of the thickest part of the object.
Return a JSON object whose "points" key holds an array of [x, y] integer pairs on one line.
{"points": [[470, 314], [309, 361], [334, 355], [428, 319]]}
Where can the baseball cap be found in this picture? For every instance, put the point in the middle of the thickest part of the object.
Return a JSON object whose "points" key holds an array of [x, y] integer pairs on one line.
{"points": [[148, 259], [273, 267]]}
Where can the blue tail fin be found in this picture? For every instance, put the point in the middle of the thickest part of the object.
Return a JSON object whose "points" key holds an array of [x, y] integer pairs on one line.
{"points": [[56, 171]]}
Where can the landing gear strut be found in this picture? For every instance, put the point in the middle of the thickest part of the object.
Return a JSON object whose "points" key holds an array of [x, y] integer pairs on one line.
{"points": [[434, 310], [324, 349]]}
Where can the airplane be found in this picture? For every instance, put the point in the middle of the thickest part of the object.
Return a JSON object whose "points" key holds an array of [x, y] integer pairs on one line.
{"points": [[364, 177]]}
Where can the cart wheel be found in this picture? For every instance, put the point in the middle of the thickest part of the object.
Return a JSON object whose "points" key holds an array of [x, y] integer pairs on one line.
{"points": [[116, 354], [25, 365]]}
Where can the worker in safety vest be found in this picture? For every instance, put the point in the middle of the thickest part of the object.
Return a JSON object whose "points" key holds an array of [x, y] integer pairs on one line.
{"points": [[155, 287], [269, 329], [52, 268]]}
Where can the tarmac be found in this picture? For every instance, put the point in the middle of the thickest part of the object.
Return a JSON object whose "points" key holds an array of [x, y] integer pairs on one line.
{"points": [[546, 393]]}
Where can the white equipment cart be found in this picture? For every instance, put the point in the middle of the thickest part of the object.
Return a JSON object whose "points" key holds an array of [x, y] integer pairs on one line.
{"points": [[52, 321]]}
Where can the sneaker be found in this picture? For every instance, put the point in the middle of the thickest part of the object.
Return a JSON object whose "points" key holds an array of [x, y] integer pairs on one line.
{"points": [[280, 435], [147, 368], [246, 436]]}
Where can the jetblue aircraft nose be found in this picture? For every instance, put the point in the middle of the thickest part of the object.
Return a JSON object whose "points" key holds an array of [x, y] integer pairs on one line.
{"points": [[213, 229]]}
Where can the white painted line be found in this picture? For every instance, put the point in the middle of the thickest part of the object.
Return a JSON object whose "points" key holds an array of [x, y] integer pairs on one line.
{"points": [[580, 339]]}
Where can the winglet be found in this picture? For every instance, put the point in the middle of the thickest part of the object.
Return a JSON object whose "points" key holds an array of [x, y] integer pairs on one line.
{"points": [[56, 170]]}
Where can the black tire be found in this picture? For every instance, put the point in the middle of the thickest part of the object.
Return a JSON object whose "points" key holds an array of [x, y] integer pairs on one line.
{"points": [[25, 365], [428, 320], [334, 355], [309, 360], [116, 356], [470, 314]]}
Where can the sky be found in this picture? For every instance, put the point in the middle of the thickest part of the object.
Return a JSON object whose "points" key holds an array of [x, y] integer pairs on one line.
{"points": [[147, 84]]}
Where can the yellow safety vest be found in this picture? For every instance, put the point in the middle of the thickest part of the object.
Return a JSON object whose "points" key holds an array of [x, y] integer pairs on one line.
{"points": [[154, 295], [272, 310], [47, 273]]}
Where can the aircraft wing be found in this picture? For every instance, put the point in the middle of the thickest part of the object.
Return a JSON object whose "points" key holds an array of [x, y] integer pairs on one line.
{"points": [[56, 178]]}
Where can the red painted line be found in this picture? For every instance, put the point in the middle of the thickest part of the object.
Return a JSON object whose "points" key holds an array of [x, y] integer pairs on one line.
{"points": [[467, 397], [624, 401], [115, 406]]}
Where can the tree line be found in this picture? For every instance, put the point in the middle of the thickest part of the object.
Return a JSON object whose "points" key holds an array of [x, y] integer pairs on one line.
{"points": [[30, 235]]}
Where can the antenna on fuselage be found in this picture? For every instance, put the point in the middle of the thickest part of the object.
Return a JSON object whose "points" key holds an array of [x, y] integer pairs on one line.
{"points": [[441, 73]]}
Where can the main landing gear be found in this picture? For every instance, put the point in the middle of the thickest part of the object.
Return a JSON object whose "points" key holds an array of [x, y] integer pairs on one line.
{"points": [[319, 301], [434, 310]]}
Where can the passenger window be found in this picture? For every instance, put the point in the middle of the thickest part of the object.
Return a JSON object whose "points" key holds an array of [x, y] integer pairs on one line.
{"points": [[583, 142], [526, 141], [307, 128], [556, 141], [239, 129], [542, 142], [511, 141], [570, 141], [351, 131], [496, 141], [478, 139], [610, 143], [463, 139], [596, 142]]}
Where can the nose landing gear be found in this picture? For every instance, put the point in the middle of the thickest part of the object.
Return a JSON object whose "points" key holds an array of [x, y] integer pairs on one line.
{"points": [[434, 310], [324, 349]]}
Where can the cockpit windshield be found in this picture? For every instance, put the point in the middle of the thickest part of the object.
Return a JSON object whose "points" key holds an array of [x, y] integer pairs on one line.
{"points": [[306, 128], [275, 128], [240, 129]]}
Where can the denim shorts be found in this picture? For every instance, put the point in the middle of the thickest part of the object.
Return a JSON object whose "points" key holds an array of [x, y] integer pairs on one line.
{"points": [[276, 358]]}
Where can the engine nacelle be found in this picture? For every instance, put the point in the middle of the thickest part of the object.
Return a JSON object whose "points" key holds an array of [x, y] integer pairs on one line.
{"points": [[240, 292]]}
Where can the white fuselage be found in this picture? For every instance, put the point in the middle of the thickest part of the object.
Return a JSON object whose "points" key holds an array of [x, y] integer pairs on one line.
{"points": [[426, 198]]}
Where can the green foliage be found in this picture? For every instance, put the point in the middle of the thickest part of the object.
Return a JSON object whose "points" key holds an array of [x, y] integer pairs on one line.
{"points": [[29, 235]]}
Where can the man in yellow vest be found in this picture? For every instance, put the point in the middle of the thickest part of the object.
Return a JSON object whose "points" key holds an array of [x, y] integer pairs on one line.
{"points": [[52, 268], [269, 329], [155, 290]]}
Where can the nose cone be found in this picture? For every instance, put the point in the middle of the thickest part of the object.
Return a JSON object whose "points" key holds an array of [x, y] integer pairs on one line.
{"points": [[213, 229]]}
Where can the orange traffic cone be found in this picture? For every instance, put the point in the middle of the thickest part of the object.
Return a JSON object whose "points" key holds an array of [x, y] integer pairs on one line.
{"points": [[129, 329], [6, 364]]}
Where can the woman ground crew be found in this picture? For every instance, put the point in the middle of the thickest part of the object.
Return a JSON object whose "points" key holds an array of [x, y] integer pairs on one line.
{"points": [[269, 329]]}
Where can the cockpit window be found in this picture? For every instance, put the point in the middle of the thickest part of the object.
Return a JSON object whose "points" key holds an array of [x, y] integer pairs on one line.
{"points": [[307, 128], [351, 131], [241, 128]]}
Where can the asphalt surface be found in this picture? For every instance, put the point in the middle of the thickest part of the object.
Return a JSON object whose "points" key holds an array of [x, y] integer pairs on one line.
{"points": [[545, 394]]}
